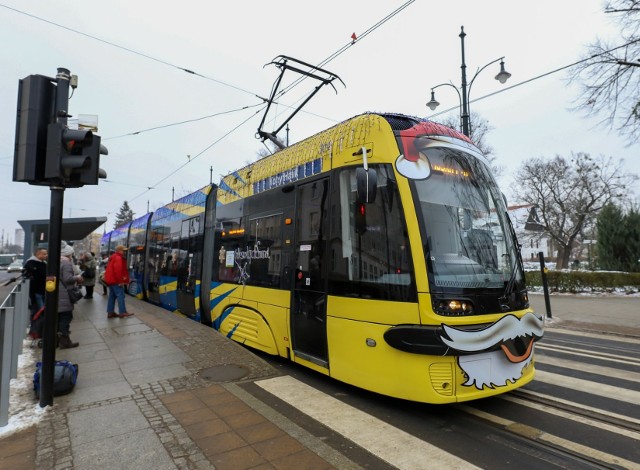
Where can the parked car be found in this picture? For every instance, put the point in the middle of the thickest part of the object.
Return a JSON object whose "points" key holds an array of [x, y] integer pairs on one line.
{"points": [[15, 266]]}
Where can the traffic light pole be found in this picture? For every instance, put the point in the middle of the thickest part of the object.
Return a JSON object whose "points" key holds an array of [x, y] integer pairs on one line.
{"points": [[53, 265]]}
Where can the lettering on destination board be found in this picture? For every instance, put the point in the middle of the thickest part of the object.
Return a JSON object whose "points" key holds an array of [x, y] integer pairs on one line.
{"points": [[450, 171], [251, 254], [288, 176]]}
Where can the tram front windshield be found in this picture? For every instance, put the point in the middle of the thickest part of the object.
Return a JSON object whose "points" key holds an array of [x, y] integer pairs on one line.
{"points": [[468, 241]]}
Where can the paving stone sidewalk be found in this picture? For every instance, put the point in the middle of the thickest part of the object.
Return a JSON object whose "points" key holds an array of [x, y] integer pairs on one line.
{"points": [[160, 391]]}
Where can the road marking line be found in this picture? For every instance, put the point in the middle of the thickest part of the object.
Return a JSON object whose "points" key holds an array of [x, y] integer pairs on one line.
{"points": [[635, 435], [594, 388], [552, 398], [576, 352], [530, 432], [386, 442], [612, 337], [591, 368]]}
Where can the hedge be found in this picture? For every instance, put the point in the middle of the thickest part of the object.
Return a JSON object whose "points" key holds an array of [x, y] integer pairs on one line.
{"points": [[586, 281]]}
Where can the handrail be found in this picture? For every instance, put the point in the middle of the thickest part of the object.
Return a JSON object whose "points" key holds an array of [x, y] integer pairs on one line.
{"points": [[14, 319]]}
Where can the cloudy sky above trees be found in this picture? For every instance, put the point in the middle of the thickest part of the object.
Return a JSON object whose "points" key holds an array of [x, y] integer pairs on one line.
{"points": [[130, 59]]}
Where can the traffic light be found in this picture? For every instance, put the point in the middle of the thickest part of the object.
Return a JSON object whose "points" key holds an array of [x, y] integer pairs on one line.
{"points": [[73, 156], [36, 96], [93, 171], [360, 217]]}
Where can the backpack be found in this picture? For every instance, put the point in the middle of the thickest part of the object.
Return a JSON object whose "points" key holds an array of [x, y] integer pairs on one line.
{"points": [[65, 375]]}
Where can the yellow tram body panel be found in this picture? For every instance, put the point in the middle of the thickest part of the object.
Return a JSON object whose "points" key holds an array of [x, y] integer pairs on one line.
{"points": [[253, 316], [359, 355]]}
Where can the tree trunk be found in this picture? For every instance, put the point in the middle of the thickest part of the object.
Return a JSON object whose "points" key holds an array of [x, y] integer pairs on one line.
{"points": [[564, 257]]}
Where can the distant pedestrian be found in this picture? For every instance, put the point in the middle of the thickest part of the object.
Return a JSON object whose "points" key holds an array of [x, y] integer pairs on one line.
{"points": [[35, 269], [68, 280], [88, 267], [117, 278], [102, 267]]}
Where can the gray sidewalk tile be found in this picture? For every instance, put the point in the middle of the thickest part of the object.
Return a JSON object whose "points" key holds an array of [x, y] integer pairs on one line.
{"points": [[97, 393], [141, 377], [136, 450], [140, 363], [105, 421]]}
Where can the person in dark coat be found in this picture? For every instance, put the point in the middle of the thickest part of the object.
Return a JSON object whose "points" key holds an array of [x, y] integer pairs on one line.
{"points": [[102, 267], [35, 269], [88, 265], [67, 280]]}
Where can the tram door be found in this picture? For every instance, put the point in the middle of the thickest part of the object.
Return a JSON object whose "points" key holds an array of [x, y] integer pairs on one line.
{"points": [[188, 266], [309, 299]]}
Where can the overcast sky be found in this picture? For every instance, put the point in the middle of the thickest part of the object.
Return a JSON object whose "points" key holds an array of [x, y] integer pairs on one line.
{"points": [[132, 77]]}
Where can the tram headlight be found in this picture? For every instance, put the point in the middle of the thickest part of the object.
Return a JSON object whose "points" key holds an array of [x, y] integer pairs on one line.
{"points": [[454, 307]]}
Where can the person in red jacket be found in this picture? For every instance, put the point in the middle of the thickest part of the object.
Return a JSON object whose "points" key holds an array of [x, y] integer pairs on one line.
{"points": [[117, 277]]}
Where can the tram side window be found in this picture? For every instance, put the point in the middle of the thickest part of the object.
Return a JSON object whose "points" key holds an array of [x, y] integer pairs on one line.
{"points": [[173, 255], [229, 235], [369, 245], [155, 256], [248, 247], [263, 252]]}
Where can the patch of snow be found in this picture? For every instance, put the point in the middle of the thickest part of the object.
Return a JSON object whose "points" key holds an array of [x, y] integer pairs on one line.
{"points": [[24, 408]]}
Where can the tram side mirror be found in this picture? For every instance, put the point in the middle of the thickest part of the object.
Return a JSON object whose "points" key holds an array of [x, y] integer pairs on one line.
{"points": [[367, 185]]}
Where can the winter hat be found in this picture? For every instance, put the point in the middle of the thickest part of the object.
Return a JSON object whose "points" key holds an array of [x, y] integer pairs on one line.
{"points": [[66, 250]]}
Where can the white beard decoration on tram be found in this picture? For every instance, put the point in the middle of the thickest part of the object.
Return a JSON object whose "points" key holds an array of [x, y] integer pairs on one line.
{"points": [[515, 339]]}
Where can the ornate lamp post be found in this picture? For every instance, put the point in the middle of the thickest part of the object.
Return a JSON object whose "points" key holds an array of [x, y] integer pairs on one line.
{"points": [[465, 91]]}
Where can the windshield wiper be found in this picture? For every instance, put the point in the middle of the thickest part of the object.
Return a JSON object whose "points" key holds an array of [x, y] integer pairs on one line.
{"points": [[504, 300]]}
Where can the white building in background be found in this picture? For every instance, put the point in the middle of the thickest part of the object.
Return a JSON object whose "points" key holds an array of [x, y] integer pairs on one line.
{"points": [[19, 237], [530, 232]]}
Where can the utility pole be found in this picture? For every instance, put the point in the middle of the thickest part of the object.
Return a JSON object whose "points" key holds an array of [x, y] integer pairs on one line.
{"points": [[48, 153], [53, 263]]}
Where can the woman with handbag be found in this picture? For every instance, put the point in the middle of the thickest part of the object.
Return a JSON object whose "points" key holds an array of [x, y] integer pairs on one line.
{"points": [[88, 266], [67, 295]]}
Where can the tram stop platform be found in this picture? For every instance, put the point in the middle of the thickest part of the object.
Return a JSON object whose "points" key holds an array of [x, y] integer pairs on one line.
{"points": [[160, 391]]}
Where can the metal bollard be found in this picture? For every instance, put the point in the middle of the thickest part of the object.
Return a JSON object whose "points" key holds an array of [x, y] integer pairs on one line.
{"points": [[545, 285]]}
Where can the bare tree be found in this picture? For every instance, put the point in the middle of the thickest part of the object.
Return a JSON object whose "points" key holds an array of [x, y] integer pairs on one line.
{"points": [[268, 149], [609, 76], [569, 194], [480, 127]]}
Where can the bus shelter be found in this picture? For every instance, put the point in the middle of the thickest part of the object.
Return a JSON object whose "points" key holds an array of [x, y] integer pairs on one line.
{"points": [[36, 232]]}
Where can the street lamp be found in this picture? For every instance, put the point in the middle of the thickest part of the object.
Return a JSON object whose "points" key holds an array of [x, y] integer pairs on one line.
{"points": [[463, 91]]}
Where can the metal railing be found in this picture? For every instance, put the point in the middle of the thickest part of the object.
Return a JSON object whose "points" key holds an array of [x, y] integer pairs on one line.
{"points": [[14, 320]]}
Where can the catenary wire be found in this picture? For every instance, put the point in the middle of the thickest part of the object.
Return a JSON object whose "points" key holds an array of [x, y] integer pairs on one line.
{"points": [[169, 175], [127, 49], [179, 123]]}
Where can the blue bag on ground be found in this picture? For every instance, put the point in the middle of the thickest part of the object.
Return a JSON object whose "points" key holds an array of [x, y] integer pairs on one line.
{"points": [[65, 375]]}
